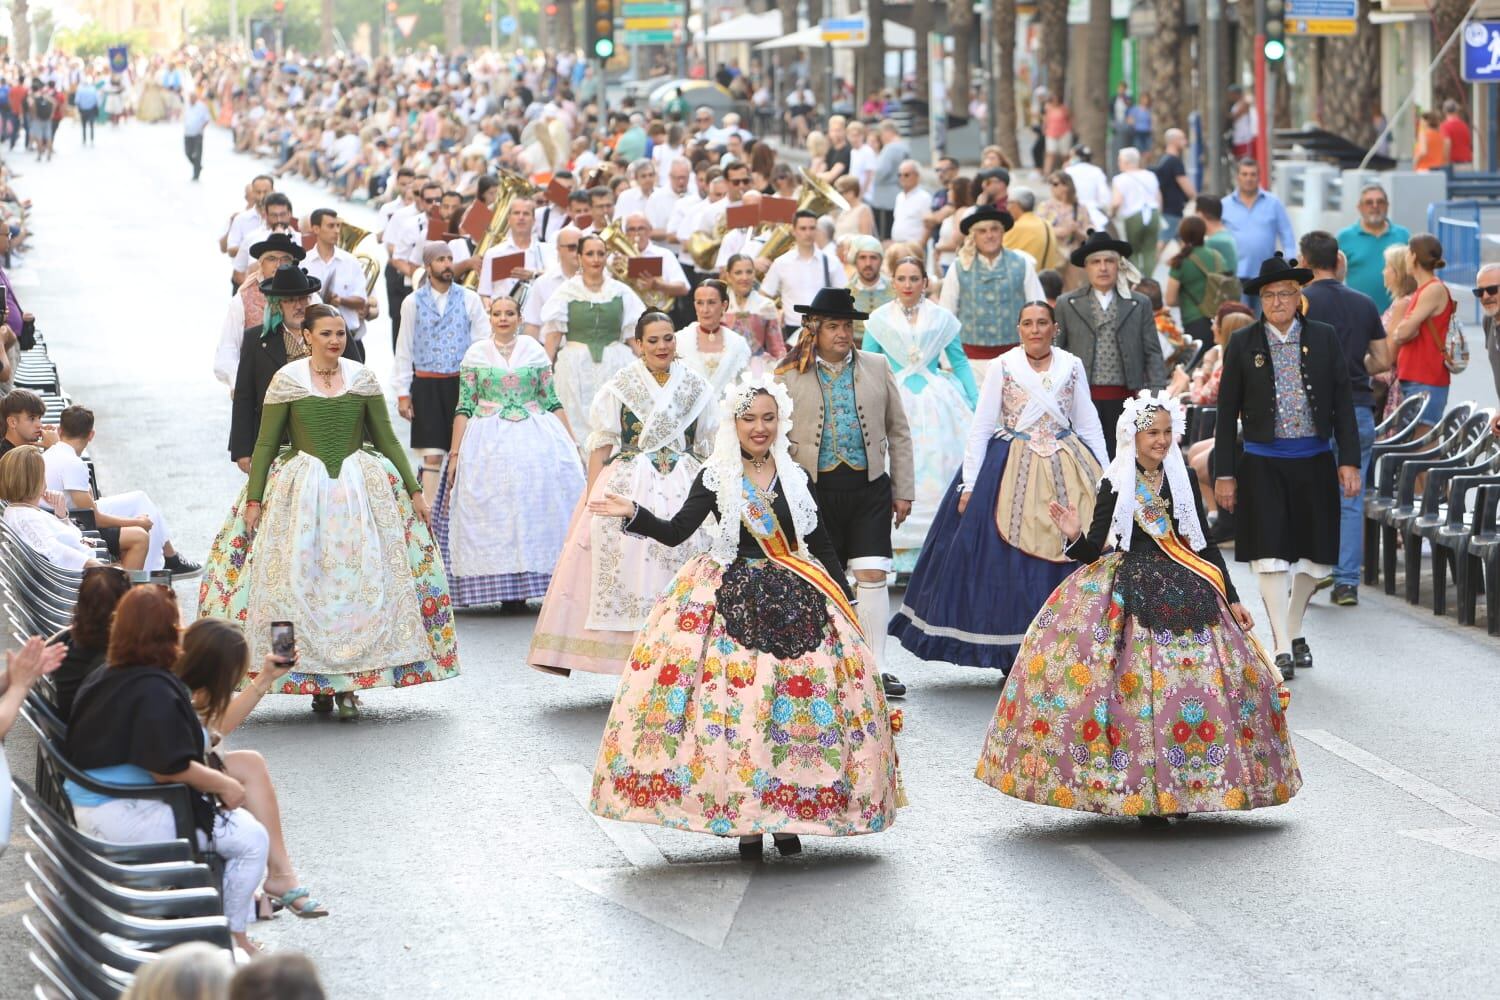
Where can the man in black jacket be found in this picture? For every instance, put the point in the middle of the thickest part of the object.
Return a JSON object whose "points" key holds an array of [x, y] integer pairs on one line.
{"points": [[263, 353], [1285, 386]]}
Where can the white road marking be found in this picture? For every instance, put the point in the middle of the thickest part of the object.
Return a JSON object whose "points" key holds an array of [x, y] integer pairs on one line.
{"points": [[629, 838], [1436, 796], [1147, 898], [698, 901]]}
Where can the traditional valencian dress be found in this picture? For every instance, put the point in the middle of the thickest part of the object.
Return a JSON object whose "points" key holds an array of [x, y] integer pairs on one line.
{"points": [[982, 575], [606, 582], [339, 550], [939, 407], [758, 320], [501, 527], [1136, 692], [596, 325], [752, 703]]}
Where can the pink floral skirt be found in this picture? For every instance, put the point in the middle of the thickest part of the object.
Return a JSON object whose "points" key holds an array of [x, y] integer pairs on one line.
{"points": [[1102, 715], [709, 735]]}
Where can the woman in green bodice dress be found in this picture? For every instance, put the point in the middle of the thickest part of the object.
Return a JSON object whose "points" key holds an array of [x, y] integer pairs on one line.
{"points": [[513, 474], [333, 538], [596, 314]]}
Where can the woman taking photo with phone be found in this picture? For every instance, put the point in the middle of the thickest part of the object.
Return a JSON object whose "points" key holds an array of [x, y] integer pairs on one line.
{"points": [[333, 537]]}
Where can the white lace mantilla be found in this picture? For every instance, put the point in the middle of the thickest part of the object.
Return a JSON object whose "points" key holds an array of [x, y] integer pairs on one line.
{"points": [[1121, 472]]}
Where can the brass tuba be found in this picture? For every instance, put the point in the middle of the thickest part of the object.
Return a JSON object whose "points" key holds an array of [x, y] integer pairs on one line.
{"points": [[512, 186], [351, 236], [817, 197], [704, 249], [623, 249]]}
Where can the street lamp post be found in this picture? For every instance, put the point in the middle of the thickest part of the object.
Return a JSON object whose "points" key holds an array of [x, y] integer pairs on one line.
{"points": [[1213, 19], [494, 25]]}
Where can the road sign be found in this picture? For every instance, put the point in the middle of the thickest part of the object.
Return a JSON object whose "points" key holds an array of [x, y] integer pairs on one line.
{"points": [[650, 23], [1323, 27], [848, 30], [1481, 59], [654, 10], [655, 36], [1322, 10], [508, 25], [405, 24]]}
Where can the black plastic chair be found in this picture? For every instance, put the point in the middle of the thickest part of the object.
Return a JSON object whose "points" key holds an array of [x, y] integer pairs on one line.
{"points": [[94, 979], [162, 904], [101, 948], [1475, 453], [1481, 563], [58, 983], [144, 933], [163, 852], [1450, 539], [1385, 463], [173, 875], [1403, 422]]}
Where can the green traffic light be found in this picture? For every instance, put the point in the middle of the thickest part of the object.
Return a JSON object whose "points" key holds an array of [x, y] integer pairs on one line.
{"points": [[1275, 49], [604, 48]]}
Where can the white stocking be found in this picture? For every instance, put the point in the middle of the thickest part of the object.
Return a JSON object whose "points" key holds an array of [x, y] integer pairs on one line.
{"points": [[1273, 592], [874, 615], [1303, 585]]}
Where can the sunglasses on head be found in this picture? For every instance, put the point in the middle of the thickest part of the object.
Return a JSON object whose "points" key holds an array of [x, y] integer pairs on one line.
{"points": [[1484, 290]]}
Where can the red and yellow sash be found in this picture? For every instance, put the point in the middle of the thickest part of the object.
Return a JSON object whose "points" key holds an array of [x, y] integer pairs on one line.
{"points": [[777, 549]]}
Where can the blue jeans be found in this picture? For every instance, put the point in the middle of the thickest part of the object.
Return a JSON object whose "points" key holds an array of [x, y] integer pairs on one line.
{"points": [[1437, 400], [1352, 509]]}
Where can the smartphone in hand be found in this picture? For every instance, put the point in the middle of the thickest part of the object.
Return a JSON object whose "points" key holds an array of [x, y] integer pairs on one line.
{"points": [[284, 641]]}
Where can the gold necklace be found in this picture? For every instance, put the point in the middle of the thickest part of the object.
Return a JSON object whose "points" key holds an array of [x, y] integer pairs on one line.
{"points": [[758, 463], [326, 374]]}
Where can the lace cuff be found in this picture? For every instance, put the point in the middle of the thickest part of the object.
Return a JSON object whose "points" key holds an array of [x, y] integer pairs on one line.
{"points": [[599, 439]]}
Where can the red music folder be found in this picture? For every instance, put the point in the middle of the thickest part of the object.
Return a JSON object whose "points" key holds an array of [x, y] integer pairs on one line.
{"points": [[500, 267], [742, 216], [778, 209], [437, 228], [557, 193], [643, 267], [476, 221]]}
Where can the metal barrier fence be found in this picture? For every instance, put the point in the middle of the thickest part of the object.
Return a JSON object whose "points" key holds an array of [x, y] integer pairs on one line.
{"points": [[1456, 225]]}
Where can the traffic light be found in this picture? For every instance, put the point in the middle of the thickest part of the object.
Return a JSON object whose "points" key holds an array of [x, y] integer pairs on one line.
{"points": [[279, 6], [1275, 30], [551, 10], [391, 7], [601, 28]]}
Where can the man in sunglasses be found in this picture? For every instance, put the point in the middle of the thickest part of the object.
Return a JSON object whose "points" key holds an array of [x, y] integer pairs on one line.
{"points": [[1487, 291]]}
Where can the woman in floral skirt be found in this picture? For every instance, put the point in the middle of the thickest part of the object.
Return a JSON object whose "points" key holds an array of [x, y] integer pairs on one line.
{"points": [[513, 475], [751, 705], [1139, 689]]}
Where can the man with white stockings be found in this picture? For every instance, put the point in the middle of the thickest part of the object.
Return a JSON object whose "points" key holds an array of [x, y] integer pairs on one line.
{"points": [[1287, 387], [847, 425]]}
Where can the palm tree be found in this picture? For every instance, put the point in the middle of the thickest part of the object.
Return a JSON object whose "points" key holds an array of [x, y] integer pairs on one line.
{"points": [[1348, 93], [564, 31], [453, 25], [326, 24], [961, 27], [20, 21], [1054, 42], [1091, 105], [1168, 109], [1004, 114], [872, 56], [921, 24], [1447, 17]]}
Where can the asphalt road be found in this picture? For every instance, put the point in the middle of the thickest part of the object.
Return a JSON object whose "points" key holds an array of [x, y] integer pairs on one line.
{"points": [[444, 829]]}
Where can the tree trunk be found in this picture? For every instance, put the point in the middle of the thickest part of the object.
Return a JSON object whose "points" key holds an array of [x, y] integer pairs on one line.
{"points": [[787, 57], [1054, 46], [961, 26], [1091, 107], [1168, 109], [1005, 72], [326, 25], [817, 58], [871, 58], [453, 25], [1447, 17], [1348, 92], [921, 23], [564, 30], [20, 19]]}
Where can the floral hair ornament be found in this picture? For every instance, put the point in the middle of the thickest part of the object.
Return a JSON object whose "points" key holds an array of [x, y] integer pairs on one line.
{"points": [[1139, 414]]}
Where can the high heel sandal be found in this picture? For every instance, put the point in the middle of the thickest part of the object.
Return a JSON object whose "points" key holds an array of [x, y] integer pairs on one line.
{"points": [[787, 844], [348, 706], [323, 703], [752, 849]]}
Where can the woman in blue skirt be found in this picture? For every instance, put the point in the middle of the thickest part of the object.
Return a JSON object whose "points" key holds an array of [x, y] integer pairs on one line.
{"points": [[993, 555]]}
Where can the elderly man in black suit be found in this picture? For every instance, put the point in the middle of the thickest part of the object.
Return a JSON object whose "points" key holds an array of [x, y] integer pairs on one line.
{"points": [[264, 351], [1285, 385], [1111, 329]]}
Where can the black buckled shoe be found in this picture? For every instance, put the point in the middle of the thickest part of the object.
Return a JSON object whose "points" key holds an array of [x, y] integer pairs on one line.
{"points": [[1301, 655], [1154, 822], [751, 850], [893, 686], [1286, 666]]}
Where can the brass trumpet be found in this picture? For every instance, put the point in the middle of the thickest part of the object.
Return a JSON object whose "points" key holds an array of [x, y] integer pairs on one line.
{"points": [[623, 249], [817, 197], [512, 186], [351, 236]]}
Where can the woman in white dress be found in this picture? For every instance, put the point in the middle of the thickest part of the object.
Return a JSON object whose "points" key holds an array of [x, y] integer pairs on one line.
{"points": [[594, 313], [642, 446], [712, 349], [513, 475], [916, 334]]}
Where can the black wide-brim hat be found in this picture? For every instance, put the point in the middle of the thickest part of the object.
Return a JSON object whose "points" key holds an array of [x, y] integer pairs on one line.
{"points": [[1098, 242], [987, 213], [832, 303], [1274, 269], [282, 242], [289, 282]]}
